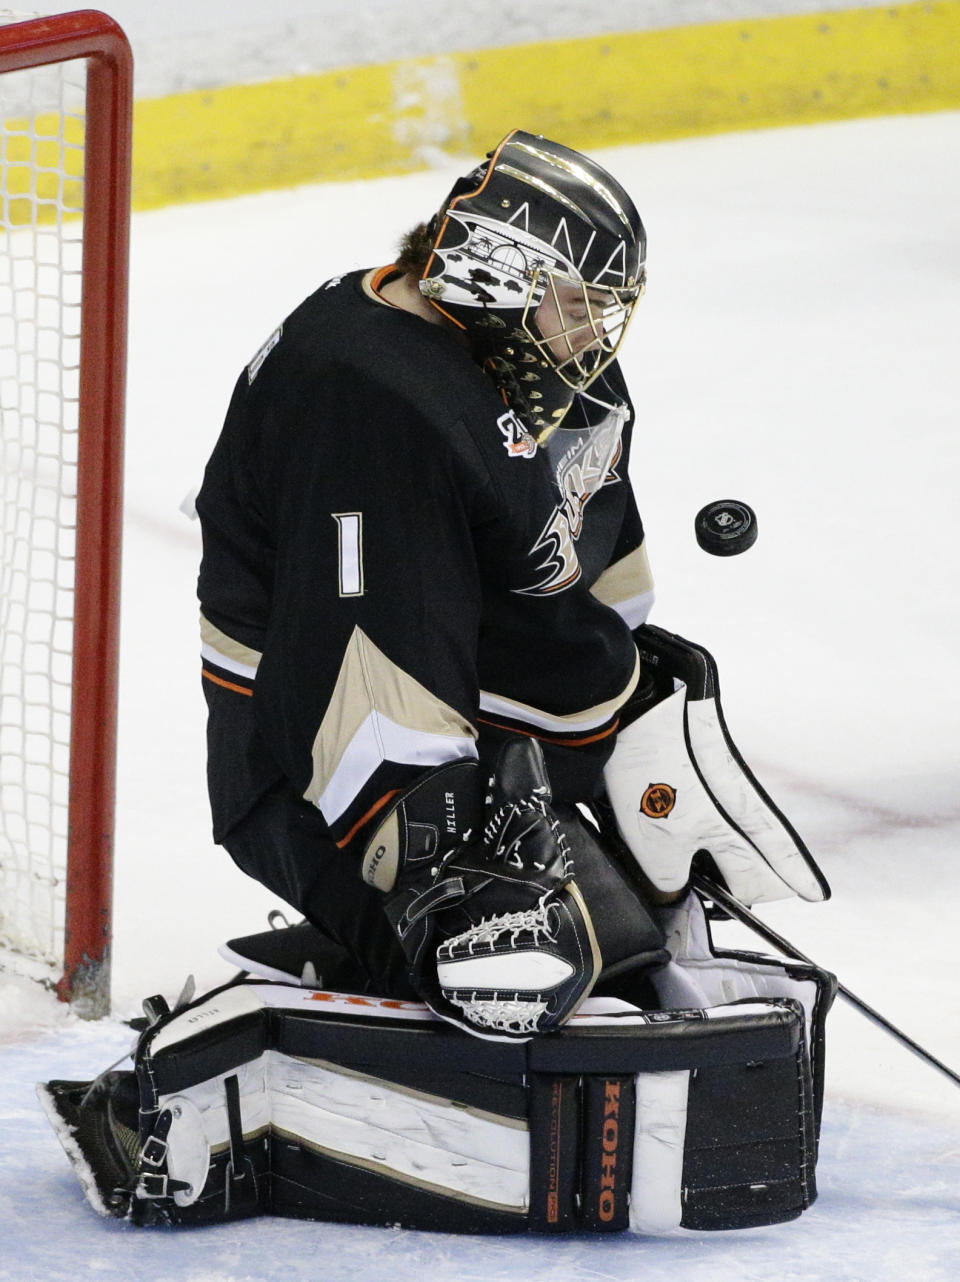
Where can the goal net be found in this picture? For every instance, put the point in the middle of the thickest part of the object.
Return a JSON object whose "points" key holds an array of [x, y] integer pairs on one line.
{"points": [[65, 106]]}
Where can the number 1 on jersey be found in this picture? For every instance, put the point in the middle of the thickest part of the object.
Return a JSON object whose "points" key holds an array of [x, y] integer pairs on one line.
{"points": [[350, 533]]}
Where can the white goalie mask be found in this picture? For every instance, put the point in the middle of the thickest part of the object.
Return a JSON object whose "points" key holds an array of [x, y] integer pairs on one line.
{"points": [[539, 256]]}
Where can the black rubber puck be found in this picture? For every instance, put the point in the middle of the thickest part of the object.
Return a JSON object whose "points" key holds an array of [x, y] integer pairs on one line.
{"points": [[726, 527]]}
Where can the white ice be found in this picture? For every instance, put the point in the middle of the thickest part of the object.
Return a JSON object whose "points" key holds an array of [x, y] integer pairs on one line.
{"points": [[798, 348]]}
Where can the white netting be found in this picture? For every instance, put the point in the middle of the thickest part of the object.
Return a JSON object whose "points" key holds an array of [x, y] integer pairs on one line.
{"points": [[41, 165], [510, 1014], [531, 927]]}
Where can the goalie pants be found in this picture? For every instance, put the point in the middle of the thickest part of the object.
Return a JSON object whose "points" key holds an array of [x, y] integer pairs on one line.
{"points": [[283, 843]]}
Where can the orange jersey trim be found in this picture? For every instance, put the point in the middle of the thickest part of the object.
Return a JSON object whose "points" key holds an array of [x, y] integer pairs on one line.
{"points": [[570, 579], [546, 738], [369, 815], [378, 279], [227, 685]]}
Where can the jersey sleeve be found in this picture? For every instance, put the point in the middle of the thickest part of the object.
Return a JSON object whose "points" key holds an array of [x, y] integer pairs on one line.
{"points": [[626, 585], [555, 661]]}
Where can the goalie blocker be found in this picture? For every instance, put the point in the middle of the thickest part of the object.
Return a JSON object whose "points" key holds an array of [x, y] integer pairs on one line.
{"points": [[264, 1098]]}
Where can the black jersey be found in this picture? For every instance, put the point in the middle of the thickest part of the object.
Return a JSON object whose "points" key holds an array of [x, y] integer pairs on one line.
{"points": [[395, 574]]}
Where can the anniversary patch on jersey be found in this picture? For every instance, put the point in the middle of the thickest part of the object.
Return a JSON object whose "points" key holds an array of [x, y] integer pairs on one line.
{"points": [[517, 441], [583, 461]]}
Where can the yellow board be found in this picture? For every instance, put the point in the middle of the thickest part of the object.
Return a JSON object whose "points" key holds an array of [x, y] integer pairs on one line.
{"points": [[589, 92]]}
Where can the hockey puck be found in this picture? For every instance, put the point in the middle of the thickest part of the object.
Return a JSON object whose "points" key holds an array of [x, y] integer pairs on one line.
{"points": [[726, 527]]}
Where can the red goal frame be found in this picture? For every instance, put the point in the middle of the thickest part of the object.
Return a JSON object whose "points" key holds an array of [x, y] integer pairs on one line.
{"points": [[94, 36]]}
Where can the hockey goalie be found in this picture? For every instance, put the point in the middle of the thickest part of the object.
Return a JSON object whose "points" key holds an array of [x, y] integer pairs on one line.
{"points": [[442, 729]]}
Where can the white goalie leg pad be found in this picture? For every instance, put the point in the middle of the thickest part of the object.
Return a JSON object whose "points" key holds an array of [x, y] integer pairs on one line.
{"points": [[401, 1133], [665, 814], [765, 827], [404, 1134], [264, 1098], [656, 1193]]}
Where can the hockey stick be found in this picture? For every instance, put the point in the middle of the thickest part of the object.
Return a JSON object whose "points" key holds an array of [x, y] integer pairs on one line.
{"points": [[743, 914]]}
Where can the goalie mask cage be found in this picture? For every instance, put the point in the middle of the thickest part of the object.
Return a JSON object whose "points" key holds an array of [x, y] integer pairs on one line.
{"points": [[66, 95]]}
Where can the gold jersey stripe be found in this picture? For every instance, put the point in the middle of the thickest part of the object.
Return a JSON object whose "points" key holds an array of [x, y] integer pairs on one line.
{"points": [[377, 712], [628, 578], [228, 652], [564, 723]]}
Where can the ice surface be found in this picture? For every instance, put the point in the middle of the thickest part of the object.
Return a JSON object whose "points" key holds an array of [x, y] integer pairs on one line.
{"points": [[798, 349]]}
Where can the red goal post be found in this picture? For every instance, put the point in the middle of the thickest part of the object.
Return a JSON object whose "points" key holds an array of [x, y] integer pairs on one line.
{"points": [[93, 195]]}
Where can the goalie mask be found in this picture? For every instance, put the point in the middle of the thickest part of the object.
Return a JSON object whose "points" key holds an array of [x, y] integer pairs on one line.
{"points": [[539, 257]]}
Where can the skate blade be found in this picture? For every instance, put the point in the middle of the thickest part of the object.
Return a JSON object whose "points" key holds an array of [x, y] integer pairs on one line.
{"points": [[61, 1114]]}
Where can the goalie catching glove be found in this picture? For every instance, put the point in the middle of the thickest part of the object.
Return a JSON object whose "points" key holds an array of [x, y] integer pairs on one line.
{"points": [[496, 933]]}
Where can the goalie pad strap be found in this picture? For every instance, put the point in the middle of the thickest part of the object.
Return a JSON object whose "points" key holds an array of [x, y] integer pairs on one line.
{"points": [[240, 1180]]}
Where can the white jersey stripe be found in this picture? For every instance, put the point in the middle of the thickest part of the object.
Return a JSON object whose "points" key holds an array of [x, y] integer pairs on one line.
{"points": [[569, 723], [636, 609], [213, 655], [378, 739], [226, 652]]}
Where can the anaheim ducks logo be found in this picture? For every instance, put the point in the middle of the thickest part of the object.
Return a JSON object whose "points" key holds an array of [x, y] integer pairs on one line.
{"points": [[658, 800], [583, 461]]}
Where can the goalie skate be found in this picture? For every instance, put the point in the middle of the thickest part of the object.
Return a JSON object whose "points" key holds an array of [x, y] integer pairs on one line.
{"points": [[295, 954], [97, 1126]]}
